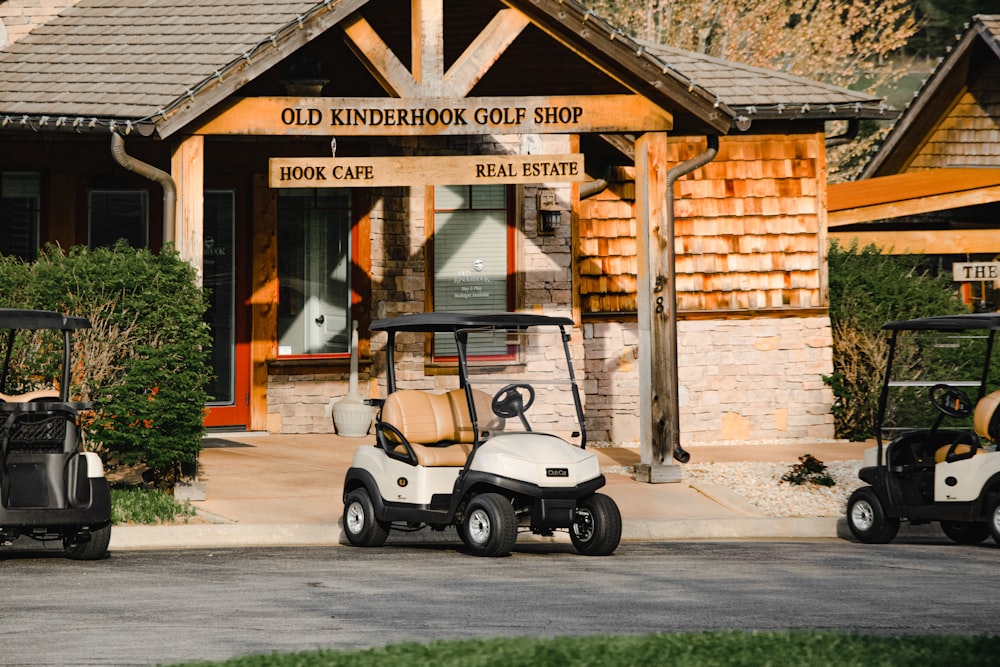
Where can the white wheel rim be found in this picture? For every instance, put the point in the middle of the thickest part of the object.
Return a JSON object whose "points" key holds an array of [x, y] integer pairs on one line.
{"points": [[355, 518], [863, 515], [583, 527], [996, 520], [479, 526]]}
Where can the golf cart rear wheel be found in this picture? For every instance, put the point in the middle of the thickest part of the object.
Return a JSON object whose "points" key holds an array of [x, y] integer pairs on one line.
{"points": [[867, 518], [92, 549], [965, 532], [597, 526], [361, 526], [490, 525], [993, 518]]}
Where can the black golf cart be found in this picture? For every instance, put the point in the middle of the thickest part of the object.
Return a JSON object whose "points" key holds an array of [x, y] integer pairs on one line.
{"points": [[939, 409], [49, 490], [491, 463]]}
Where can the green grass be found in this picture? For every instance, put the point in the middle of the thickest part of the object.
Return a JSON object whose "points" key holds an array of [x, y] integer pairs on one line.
{"points": [[702, 649], [146, 506]]}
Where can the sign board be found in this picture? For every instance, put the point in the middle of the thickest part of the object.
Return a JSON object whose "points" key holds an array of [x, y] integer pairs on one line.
{"points": [[366, 117], [975, 271], [371, 172]]}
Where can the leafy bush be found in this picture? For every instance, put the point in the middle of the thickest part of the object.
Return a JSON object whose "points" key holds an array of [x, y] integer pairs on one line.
{"points": [[868, 289], [144, 364]]}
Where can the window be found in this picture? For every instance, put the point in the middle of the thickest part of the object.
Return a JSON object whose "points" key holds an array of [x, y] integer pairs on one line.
{"points": [[314, 271], [220, 281], [19, 206], [118, 215], [472, 259]]}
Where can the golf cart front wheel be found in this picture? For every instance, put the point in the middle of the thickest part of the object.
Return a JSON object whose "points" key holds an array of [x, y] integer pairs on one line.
{"points": [[965, 532], [361, 526], [490, 525], [867, 518], [597, 526]]}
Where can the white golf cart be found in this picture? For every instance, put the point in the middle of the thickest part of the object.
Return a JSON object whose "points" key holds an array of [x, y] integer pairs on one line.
{"points": [[473, 459], [49, 490], [927, 472]]}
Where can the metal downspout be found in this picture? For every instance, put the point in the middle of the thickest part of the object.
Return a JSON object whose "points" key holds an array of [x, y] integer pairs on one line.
{"points": [[669, 270], [153, 174]]}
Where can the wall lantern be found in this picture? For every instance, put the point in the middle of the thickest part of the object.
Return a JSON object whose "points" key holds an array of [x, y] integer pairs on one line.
{"points": [[549, 212]]}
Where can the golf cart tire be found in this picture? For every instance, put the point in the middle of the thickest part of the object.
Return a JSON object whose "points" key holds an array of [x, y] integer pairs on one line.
{"points": [[490, 525], [597, 528], [966, 532], [993, 518], [94, 548], [361, 526], [867, 519]]}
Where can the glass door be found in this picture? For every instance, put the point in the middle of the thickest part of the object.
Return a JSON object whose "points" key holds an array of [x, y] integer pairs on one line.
{"points": [[230, 388]]}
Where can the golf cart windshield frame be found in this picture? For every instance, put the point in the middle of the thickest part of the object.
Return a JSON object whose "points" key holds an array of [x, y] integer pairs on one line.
{"points": [[460, 325], [984, 322], [14, 320]]}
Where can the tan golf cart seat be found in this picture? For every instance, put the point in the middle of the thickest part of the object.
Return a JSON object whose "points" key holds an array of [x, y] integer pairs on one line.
{"points": [[986, 422], [437, 427]]}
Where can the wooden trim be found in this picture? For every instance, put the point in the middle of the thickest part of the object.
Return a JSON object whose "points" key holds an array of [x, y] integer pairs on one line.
{"points": [[240, 71], [263, 298], [925, 242], [574, 242]]}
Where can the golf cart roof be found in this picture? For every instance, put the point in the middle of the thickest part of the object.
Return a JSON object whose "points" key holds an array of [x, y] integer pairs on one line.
{"points": [[11, 318], [982, 321], [456, 321]]}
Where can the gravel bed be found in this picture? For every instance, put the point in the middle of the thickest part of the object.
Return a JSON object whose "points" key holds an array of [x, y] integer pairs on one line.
{"points": [[761, 485]]}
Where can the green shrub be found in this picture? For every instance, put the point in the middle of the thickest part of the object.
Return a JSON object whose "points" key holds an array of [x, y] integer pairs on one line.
{"points": [[868, 289], [144, 365]]}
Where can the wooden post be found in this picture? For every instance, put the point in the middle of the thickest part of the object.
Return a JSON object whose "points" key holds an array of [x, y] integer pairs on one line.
{"points": [[187, 167], [263, 302], [657, 353]]}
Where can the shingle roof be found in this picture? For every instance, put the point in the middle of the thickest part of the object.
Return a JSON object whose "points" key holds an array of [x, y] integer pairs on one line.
{"points": [[765, 93], [952, 120], [154, 62]]}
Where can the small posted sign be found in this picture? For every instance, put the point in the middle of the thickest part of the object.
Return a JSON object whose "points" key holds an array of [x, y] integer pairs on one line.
{"points": [[964, 272]]}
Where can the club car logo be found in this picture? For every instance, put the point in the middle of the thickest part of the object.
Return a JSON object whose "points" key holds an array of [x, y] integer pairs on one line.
{"points": [[557, 472]]}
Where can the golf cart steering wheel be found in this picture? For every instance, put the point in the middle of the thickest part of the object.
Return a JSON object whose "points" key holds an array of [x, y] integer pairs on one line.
{"points": [[950, 401], [508, 402]]}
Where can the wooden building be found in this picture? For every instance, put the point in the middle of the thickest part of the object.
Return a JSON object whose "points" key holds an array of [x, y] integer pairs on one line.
{"points": [[323, 162], [934, 185]]}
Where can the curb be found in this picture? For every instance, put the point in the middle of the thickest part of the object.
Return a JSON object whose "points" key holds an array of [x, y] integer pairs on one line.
{"points": [[220, 536]]}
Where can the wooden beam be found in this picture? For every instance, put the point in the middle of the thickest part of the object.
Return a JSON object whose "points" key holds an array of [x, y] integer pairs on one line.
{"points": [[484, 51], [427, 38], [187, 167], [898, 209], [380, 60], [925, 242], [911, 193], [657, 357]]}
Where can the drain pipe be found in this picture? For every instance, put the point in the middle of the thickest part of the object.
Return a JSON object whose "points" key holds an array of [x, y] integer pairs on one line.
{"points": [[153, 174], [672, 428]]}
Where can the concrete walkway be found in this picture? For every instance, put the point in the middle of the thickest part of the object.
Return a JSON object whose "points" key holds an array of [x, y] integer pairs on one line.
{"points": [[286, 490]]}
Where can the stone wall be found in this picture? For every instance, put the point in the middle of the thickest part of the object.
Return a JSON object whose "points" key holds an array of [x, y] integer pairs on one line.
{"points": [[19, 17], [740, 380]]}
